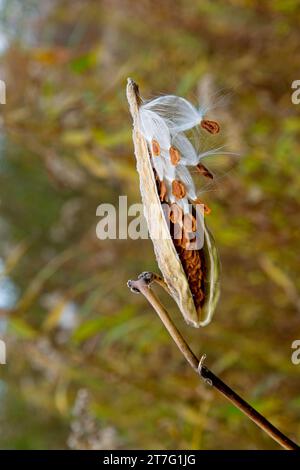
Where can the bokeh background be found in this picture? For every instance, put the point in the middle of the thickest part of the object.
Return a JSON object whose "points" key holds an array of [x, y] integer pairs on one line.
{"points": [[88, 363]]}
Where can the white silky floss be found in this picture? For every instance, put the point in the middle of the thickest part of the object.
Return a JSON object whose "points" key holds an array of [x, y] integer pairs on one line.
{"points": [[164, 122]]}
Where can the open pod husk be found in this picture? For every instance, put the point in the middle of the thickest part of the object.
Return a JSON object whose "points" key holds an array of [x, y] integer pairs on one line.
{"points": [[167, 257]]}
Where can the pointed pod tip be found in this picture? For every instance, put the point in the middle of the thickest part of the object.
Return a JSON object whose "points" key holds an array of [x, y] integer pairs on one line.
{"points": [[130, 81], [132, 92]]}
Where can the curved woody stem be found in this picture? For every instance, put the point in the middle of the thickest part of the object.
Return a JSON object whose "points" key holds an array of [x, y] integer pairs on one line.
{"points": [[143, 285]]}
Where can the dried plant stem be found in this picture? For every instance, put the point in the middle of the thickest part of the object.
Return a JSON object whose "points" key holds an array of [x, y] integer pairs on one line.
{"points": [[143, 285]]}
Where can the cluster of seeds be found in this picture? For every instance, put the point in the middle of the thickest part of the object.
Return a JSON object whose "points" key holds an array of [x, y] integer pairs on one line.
{"points": [[165, 123], [192, 261], [194, 267]]}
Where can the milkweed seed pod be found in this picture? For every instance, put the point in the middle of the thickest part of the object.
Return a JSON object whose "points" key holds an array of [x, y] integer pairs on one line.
{"points": [[163, 152]]}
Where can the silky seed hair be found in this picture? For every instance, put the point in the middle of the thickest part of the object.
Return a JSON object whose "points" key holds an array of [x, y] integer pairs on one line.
{"points": [[164, 123]]}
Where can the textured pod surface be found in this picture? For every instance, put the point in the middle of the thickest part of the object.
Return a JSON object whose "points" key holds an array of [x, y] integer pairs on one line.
{"points": [[167, 257]]}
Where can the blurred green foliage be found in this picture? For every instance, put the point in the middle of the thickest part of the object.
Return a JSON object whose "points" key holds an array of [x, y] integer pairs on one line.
{"points": [[71, 322]]}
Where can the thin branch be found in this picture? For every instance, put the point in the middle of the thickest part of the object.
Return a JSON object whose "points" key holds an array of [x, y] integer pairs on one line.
{"points": [[143, 285]]}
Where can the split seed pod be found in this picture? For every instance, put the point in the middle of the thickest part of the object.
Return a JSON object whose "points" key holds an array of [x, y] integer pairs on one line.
{"points": [[192, 276]]}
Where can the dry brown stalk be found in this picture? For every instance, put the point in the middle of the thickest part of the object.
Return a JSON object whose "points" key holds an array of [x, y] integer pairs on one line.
{"points": [[143, 285]]}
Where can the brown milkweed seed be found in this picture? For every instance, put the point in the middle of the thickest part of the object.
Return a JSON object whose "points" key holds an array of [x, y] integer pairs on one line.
{"points": [[155, 148], [204, 171], [174, 155], [206, 209], [210, 126], [178, 189], [189, 223], [176, 214], [162, 191]]}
